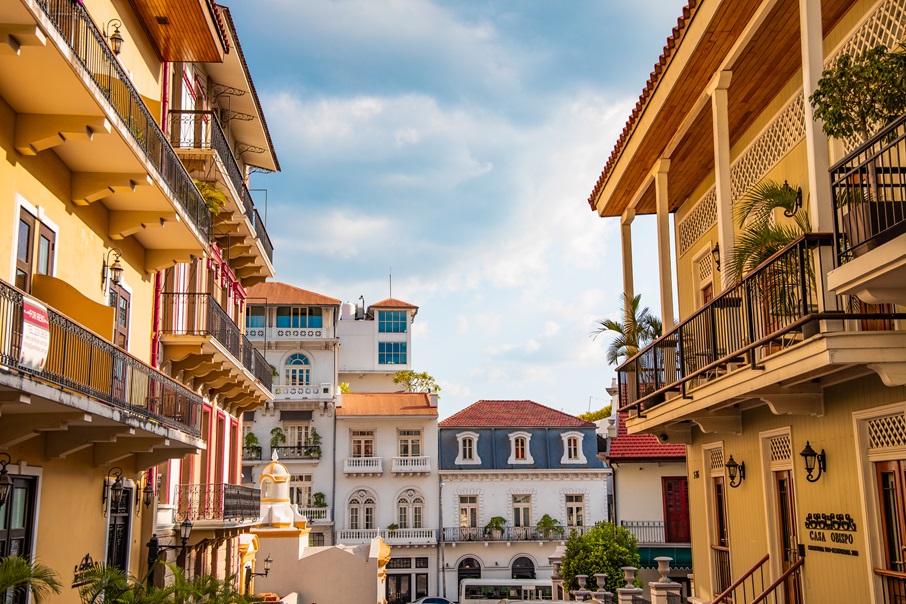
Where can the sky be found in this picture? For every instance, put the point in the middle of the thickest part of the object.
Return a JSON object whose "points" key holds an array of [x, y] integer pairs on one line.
{"points": [[453, 145]]}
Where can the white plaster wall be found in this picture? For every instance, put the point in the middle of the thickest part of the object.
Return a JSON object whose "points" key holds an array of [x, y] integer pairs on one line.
{"points": [[638, 489], [371, 382]]}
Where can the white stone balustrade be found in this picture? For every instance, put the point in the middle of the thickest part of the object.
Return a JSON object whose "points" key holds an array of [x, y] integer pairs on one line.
{"points": [[363, 465], [411, 465], [316, 514]]}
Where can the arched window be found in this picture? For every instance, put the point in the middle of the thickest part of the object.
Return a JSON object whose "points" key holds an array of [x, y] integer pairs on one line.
{"points": [[297, 370], [361, 511], [523, 568], [469, 569], [410, 510]]}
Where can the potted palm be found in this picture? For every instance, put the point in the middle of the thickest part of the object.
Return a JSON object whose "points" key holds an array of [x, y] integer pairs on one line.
{"points": [[548, 526], [252, 446], [494, 528], [278, 438]]}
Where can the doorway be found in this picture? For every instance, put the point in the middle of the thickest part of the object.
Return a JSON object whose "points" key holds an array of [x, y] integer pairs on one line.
{"points": [[676, 509], [399, 589], [786, 530]]}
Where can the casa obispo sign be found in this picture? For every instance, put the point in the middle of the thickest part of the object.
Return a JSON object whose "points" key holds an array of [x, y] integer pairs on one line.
{"points": [[833, 530]]}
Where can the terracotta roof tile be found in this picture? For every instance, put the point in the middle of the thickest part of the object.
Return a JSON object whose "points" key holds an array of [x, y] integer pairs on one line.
{"points": [[650, 86], [392, 303], [625, 446], [385, 403], [516, 414], [274, 292]]}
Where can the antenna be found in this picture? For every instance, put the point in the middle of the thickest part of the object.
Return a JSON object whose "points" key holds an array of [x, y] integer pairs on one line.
{"points": [[391, 281]]}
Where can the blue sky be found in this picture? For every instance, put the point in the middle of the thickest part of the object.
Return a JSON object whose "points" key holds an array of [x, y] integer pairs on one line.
{"points": [[456, 143]]}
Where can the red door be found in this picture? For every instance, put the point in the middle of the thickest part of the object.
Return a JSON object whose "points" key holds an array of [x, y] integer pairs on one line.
{"points": [[676, 509]]}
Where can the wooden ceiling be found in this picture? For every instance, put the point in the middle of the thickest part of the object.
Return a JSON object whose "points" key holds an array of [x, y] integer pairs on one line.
{"points": [[182, 30], [764, 67]]}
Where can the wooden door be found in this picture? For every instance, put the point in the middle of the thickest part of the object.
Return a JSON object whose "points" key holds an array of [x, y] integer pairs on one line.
{"points": [[893, 526], [676, 509], [786, 529]]}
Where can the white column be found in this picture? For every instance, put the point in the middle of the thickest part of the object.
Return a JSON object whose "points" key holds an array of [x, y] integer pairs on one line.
{"points": [[663, 243], [819, 198], [626, 239], [721, 128]]}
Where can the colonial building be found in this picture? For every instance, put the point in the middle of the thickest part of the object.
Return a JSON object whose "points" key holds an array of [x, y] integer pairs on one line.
{"points": [[124, 300], [504, 465], [786, 380]]}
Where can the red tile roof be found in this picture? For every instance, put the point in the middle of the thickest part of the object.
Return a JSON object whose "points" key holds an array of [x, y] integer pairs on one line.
{"points": [[624, 446], [370, 404], [659, 68], [274, 292], [393, 303], [512, 414]]}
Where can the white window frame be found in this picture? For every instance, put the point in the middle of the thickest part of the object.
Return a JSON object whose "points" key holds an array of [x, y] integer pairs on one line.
{"points": [[580, 506], [302, 482], [566, 459], [460, 458], [513, 436], [364, 436], [410, 437], [469, 507]]}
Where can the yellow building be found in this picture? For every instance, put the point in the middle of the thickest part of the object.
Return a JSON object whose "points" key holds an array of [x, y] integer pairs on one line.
{"points": [[800, 361], [121, 312]]}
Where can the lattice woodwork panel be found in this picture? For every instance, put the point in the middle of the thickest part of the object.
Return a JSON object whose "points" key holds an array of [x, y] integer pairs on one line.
{"points": [[888, 431], [705, 268], [717, 459], [697, 222], [886, 25], [781, 448]]}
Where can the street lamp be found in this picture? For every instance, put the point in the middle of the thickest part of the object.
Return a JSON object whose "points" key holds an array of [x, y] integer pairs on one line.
{"points": [[813, 458], [155, 548], [736, 470], [249, 574], [110, 496], [6, 483]]}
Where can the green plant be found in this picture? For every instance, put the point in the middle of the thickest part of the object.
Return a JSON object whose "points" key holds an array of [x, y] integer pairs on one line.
{"points": [[416, 381], [251, 440], [392, 528], [761, 237], [278, 437], [314, 439], [549, 525], [344, 387], [318, 500], [637, 328], [593, 416], [603, 548], [19, 576], [495, 524], [857, 95], [213, 197]]}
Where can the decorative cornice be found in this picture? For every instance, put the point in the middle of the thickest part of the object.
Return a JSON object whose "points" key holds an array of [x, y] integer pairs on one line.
{"points": [[511, 475]]}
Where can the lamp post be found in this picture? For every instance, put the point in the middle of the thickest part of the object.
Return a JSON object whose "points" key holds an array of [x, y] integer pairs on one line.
{"points": [[155, 548], [6, 483], [249, 574]]}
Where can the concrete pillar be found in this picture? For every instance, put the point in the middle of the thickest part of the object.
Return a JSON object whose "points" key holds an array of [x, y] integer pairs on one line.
{"points": [[661, 592], [626, 594], [626, 239], [663, 243], [721, 130]]}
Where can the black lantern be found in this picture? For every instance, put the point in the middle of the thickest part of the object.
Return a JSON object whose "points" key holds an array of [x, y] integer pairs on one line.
{"points": [[6, 483], [112, 493], [798, 204], [813, 459], [146, 493], [736, 471], [185, 531], [116, 38], [155, 548], [715, 253], [249, 574]]}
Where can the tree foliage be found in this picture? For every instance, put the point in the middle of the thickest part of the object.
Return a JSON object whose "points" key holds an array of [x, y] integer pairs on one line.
{"points": [[637, 328], [859, 94], [21, 576], [593, 416], [416, 382], [604, 548]]}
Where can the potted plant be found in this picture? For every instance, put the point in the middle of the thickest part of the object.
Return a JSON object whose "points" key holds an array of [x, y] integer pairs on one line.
{"points": [[213, 197], [548, 526], [318, 500], [494, 528], [278, 437], [391, 529], [252, 444]]}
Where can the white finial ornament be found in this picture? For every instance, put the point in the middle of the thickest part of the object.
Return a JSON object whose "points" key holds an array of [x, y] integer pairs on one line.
{"points": [[274, 455]]}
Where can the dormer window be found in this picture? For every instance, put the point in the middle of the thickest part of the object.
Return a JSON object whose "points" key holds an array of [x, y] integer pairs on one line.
{"points": [[520, 448], [468, 449], [299, 317], [392, 321], [572, 448]]}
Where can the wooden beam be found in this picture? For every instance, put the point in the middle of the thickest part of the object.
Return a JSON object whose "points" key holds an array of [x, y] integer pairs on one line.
{"points": [[121, 224], [38, 132], [67, 442], [88, 187]]}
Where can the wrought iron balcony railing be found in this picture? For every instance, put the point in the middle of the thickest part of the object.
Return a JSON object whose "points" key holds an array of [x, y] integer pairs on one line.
{"points": [[252, 453], [459, 534], [225, 502], [646, 531], [82, 361], [200, 315], [299, 452], [255, 362], [90, 47], [202, 130], [869, 191], [774, 307]]}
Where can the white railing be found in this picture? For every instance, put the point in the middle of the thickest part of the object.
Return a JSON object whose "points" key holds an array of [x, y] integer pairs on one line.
{"points": [[289, 333], [316, 514], [393, 537], [363, 465], [311, 391], [411, 464]]}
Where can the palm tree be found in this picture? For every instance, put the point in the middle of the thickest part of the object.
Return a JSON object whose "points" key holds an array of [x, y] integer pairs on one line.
{"points": [[761, 237], [634, 332], [20, 576]]}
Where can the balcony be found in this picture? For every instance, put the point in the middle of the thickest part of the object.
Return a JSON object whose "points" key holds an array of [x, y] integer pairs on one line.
{"points": [[316, 515], [764, 330], [204, 342], [421, 536], [315, 391], [252, 453], [869, 190], [202, 144], [85, 107], [276, 334], [362, 466], [299, 452], [652, 540], [218, 503], [461, 534], [411, 465], [92, 391]]}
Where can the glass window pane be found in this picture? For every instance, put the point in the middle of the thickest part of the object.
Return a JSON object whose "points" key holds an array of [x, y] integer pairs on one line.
{"points": [[24, 241], [19, 500], [44, 255]]}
